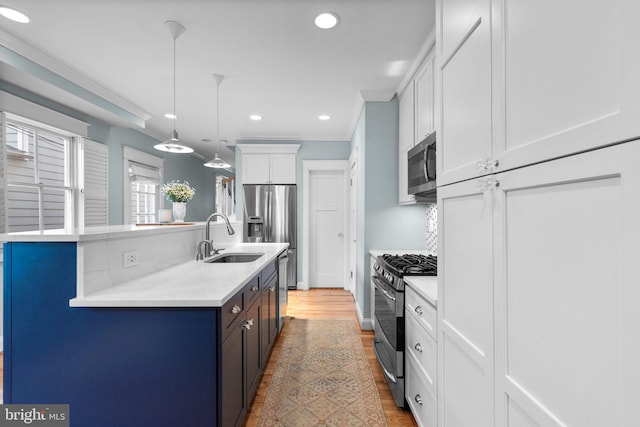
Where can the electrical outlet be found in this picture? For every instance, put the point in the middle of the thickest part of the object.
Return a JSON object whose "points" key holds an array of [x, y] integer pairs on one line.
{"points": [[130, 259]]}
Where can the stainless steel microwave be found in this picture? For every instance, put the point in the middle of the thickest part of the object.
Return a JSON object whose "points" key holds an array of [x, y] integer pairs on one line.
{"points": [[422, 169]]}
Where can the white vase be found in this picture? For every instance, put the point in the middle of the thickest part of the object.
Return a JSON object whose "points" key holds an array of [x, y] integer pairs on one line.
{"points": [[179, 211]]}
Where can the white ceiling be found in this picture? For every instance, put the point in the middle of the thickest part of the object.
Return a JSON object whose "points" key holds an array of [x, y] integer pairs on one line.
{"points": [[276, 62]]}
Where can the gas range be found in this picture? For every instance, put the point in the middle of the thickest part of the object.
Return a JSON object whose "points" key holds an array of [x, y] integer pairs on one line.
{"points": [[394, 267]]}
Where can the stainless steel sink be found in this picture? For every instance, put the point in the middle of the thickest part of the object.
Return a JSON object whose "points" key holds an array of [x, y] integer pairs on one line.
{"points": [[234, 257]]}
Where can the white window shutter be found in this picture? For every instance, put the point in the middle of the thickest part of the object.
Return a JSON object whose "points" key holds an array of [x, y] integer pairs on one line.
{"points": [[96, 183], [3, 210]]}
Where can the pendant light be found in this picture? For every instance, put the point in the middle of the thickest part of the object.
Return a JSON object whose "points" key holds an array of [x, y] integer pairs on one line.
{"points": [[172, 145], [217, 162]]}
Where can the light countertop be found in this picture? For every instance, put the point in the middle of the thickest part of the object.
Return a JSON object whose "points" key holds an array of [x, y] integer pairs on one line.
{"points": [[98, 233], [427, 286], [189, 284]]}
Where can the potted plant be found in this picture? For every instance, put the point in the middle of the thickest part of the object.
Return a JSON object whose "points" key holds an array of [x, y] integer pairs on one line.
{"points": [[179, 193]]}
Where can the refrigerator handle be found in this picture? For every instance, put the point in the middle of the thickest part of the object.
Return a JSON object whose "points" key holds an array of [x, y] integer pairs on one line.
{"points": [[267, 227]]}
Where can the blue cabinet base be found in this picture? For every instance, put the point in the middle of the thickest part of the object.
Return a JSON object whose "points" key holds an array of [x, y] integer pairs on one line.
{"points": [[113, 366]]}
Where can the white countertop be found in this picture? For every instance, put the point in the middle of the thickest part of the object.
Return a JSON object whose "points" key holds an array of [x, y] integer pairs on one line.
{"points": [[427, 286], [98, 233], [190, 284]]}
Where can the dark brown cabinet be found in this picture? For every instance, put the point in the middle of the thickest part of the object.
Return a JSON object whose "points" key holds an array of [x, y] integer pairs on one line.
{"points": [[269, 317], [248, 329]]}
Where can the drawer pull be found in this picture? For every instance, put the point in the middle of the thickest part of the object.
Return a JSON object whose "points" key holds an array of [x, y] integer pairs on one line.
{"points": [[418, 399], [236, 309], [418, 347], [418, 310], [254, 288], [248, 324]]}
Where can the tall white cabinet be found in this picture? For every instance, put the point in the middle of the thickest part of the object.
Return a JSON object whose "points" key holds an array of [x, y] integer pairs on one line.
{"points": [[538, 213]]}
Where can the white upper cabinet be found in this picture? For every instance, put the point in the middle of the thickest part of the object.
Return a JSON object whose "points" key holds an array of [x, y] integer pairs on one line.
{"points": [[416, 118], [424, 100], [465, 57], [269, 163], [553, 81]]}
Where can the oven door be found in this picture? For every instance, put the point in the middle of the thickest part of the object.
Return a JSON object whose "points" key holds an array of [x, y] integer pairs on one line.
{"points": [[389, 312]]}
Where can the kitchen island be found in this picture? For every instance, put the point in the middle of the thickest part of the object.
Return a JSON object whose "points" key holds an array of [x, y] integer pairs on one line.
{"points": [[168, 341]]}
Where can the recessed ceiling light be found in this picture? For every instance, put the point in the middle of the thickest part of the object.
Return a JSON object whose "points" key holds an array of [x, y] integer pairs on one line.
{"points": [[255, 117], [170, 116], [14, 15], [326, 20], [324, 117]]}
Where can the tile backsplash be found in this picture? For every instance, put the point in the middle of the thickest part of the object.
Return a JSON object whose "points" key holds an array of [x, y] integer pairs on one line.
{"points": [[432, 228]]}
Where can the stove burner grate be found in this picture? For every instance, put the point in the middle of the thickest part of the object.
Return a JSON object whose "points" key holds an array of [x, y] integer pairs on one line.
{"points": [[414, 264]]}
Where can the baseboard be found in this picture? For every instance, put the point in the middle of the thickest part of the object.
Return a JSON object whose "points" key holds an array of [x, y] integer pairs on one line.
{"points": [[365, 323]]}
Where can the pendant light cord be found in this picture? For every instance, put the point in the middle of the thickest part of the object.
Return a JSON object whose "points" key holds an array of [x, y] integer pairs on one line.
{"points": [[217, 118]]}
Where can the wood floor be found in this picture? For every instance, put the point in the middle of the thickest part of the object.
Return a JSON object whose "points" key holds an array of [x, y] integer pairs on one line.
{"points": [[328, 304]]}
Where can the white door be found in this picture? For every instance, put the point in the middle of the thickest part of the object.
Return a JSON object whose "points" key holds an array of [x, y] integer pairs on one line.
{"points": [[353, 222], [327, 219]]}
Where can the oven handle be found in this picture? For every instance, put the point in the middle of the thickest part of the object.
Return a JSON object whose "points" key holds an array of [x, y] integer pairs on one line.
{"points": [[387, 373], [376, 282]]}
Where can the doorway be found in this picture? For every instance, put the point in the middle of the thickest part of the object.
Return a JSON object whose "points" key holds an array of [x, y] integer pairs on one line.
{"points": [[326, 226]]}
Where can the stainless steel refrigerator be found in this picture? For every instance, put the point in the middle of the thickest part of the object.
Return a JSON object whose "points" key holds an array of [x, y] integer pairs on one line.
{"points": [[270, 216]]}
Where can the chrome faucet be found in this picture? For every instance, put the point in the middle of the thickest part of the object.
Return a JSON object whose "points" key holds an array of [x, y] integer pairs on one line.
{"points": [[208, 247]]}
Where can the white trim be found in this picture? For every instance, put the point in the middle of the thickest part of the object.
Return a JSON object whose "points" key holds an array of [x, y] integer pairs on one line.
{"points": [[365, 322], [323, 165], [356, 115], [138, 156], [377, 95], [40, 116], [268, 148]]}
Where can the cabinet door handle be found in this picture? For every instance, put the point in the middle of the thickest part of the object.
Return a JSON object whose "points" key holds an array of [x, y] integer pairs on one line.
{"points": [[418, 310], [248, 324], [418, 347], [236, 309], [272, 289], [418, 399], [254, 288]]}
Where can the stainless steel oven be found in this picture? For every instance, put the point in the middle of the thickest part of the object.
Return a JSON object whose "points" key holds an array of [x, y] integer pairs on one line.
{"points": [[388, 288]]}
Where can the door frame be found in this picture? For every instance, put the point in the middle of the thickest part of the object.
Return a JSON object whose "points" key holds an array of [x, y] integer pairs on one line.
{"points": [[309, 166]]}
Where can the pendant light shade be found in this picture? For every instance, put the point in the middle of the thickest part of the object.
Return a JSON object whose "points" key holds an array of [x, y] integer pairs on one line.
{"points": [[172, 145], [217, 162]]}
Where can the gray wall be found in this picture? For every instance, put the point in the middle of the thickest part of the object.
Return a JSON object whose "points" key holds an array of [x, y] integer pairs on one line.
{"points": [[382, 223], [176, 166]]}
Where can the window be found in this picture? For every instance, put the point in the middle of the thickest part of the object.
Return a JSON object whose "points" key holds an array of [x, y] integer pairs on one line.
{"points": [[143, 176], [145, 182], [38, 176]]}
